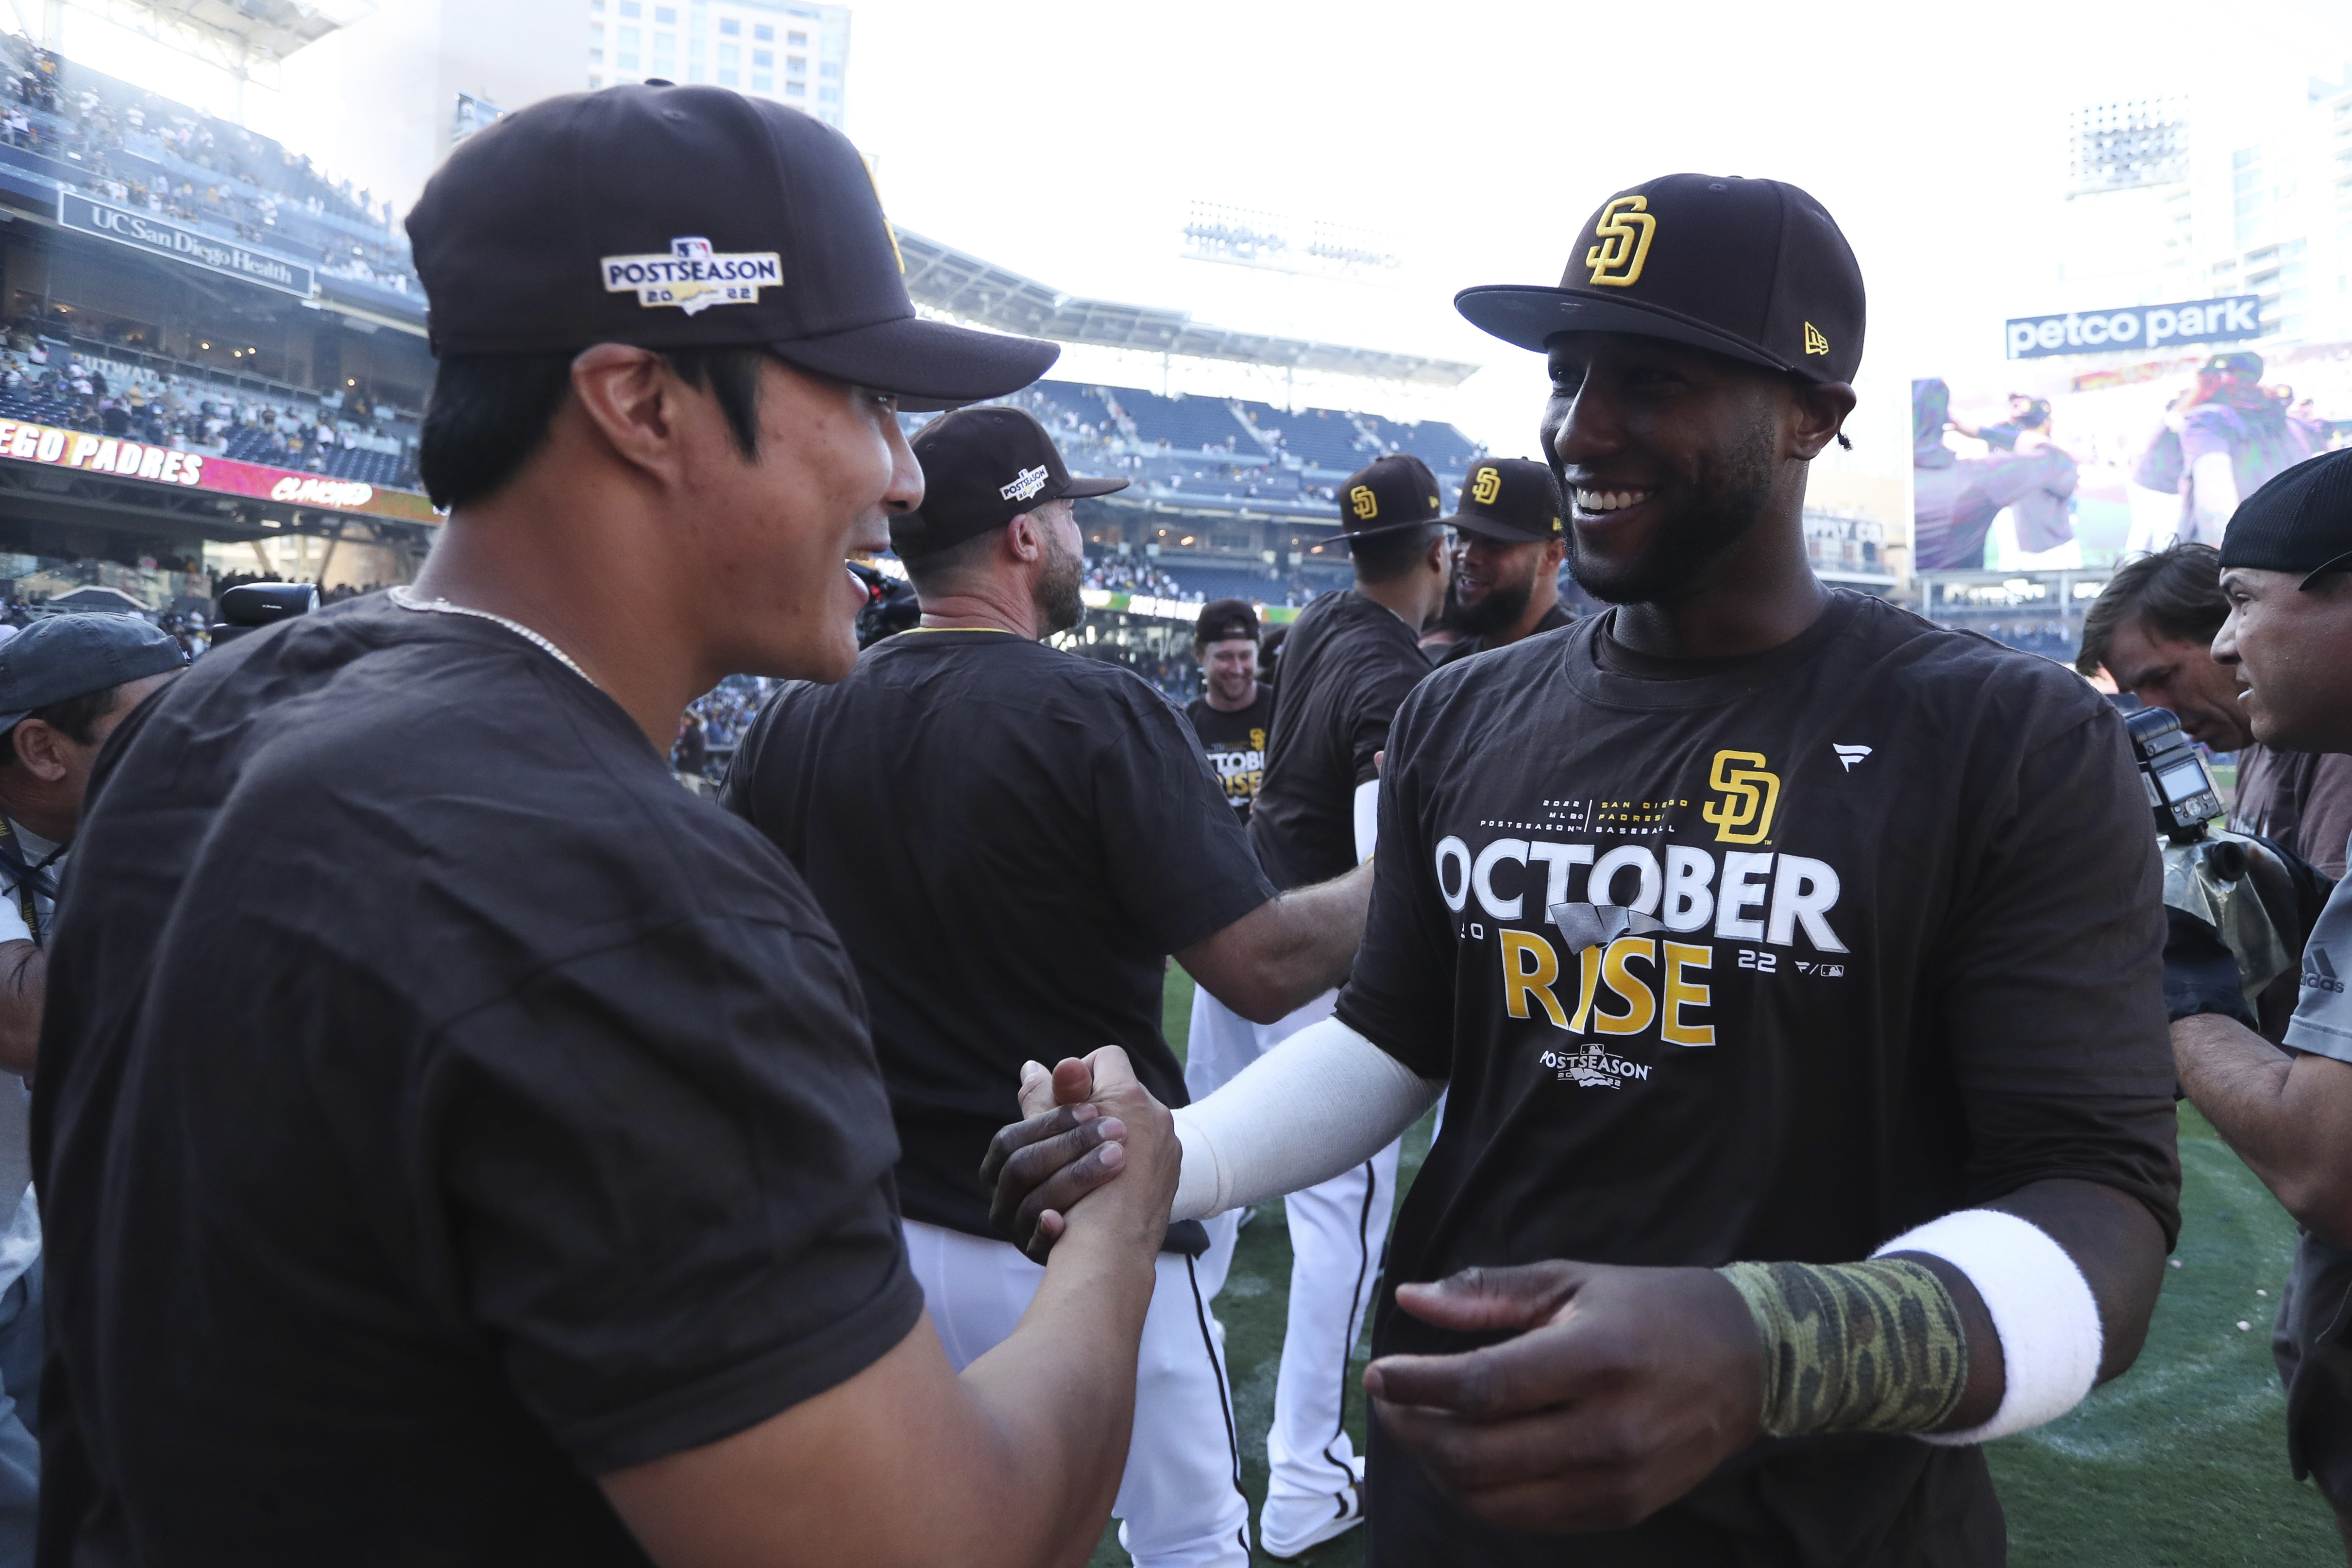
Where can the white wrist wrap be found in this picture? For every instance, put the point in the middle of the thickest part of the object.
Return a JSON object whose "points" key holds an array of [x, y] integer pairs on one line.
{"points": [[2042, 1311], [1367, 818], [1323, 1101]]}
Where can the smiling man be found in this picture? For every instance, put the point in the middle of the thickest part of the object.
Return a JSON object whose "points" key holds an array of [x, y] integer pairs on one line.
{"points": [[1793, 964], [1508, 547], [458, 1142]]}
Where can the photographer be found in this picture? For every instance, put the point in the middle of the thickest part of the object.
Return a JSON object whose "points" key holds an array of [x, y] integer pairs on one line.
{"points": [[2286, 572], [2152, 630]]}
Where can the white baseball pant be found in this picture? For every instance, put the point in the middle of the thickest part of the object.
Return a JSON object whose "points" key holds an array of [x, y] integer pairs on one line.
{"points": [[1180, 1503], [1339, 1232]]}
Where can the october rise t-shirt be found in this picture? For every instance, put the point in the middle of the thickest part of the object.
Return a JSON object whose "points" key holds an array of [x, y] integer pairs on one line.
{"points": [[1765, 958]]}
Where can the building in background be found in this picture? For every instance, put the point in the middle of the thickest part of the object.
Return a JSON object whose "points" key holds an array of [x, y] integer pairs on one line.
{"points": [[795, 54], [2193, 196]]}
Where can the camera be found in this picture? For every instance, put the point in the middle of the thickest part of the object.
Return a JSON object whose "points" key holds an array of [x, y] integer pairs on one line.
{"points": [[890, 606], [2237, 884], [2180, 788], [250, 606]]}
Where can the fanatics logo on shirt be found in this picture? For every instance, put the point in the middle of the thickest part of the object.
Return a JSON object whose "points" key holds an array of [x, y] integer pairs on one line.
{"points": [[693, 276]]}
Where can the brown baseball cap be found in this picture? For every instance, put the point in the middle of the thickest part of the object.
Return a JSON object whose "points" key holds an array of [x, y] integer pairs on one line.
{"points": [[1387, 494], [982, 467], [680, 217], [1510, 500]]}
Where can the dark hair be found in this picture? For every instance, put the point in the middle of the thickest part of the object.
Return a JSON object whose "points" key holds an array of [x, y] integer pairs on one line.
{"points": [[2177, 592], [488, 413], [75, 718], [937, 571], [1384, 557]]}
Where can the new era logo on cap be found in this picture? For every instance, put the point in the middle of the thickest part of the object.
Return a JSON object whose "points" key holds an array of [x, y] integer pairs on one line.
{"points": [[693, 276]]}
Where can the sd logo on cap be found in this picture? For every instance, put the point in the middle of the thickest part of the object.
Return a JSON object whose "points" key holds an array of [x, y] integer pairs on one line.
{"points": [[1753, 268]]}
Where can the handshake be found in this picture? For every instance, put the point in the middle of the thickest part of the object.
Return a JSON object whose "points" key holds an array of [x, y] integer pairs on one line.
{"points": [[1612, 1391]]}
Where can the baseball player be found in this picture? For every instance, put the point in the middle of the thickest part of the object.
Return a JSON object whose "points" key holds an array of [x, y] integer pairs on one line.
{"points": [[1507, 550], [1011, 839], [1794, 964], [1234, 713], [1350, 660], [495, 1169]]}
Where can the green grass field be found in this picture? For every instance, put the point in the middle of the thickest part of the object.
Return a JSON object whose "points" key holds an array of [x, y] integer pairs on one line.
{"points": [[2181, 1464]]}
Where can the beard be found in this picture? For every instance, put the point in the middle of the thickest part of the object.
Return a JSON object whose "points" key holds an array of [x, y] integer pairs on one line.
{"points": [[1056, 597], [1721, 500], [1504, 604]]}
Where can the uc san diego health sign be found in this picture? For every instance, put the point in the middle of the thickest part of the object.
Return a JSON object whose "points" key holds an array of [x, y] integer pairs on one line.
{"points": [[145, 231], [2136, 326]]}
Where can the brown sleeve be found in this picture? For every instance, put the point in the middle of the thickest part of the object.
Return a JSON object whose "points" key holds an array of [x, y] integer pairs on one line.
{"points": [[2327, 815]]}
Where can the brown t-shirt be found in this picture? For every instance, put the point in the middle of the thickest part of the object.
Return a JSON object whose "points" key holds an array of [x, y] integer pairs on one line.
{"points": [[1768, 958], [2301, 800]]}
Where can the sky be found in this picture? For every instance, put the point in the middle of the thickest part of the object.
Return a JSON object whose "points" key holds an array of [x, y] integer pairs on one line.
{"points": [[1065, 138]]}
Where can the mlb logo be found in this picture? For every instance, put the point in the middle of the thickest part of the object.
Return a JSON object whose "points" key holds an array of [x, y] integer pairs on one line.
{"points": [[690, 249]]}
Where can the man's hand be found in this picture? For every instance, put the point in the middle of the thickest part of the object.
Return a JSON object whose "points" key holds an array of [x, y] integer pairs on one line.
{"points": [[1074, 1140], [1625, 1387]]}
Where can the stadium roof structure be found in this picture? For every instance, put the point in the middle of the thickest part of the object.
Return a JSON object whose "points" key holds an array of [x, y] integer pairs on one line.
{"points": [[240, 34], [960, 284]]}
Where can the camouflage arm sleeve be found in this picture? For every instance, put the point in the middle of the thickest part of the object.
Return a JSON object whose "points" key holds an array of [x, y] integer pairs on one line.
{"points": [[1854, 1347]]}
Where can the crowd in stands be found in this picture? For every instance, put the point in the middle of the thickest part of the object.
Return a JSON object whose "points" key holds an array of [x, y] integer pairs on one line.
{"points": [[1121, 574], [2052, 639], [137, 149], [43, 380]]}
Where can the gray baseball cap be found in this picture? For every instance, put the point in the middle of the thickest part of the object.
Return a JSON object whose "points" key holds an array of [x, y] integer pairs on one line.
{"points": [[69, 656]]}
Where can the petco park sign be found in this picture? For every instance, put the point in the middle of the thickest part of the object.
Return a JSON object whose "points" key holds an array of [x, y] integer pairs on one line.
{"points": [[25, 441], [2136, 326]]}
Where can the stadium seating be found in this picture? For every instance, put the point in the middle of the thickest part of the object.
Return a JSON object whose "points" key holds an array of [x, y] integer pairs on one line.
{"points": [[1443, 448], [89, 132], [1186, 424], [1320, 437]]}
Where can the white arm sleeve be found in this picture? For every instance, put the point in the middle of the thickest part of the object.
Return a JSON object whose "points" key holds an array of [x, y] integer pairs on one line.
{"points": [[1322, 1101], [2042, 1308], [1368, 818]]}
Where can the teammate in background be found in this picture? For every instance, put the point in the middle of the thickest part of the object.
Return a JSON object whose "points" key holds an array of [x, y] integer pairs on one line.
{"points": [[459, 1144], [1350, 658], [1752, 920], [1508, 547], [1011, 839], [2286, 574], [1233, 715]]}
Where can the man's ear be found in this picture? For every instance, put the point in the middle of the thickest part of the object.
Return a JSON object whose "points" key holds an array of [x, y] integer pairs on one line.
{"points": [[633, 403], [40, 751], [1024, 536], [1818, 411]]}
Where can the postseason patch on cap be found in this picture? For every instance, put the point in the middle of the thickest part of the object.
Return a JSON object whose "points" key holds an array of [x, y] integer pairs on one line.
{"points": [[693, 276], [1026, 484]]}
